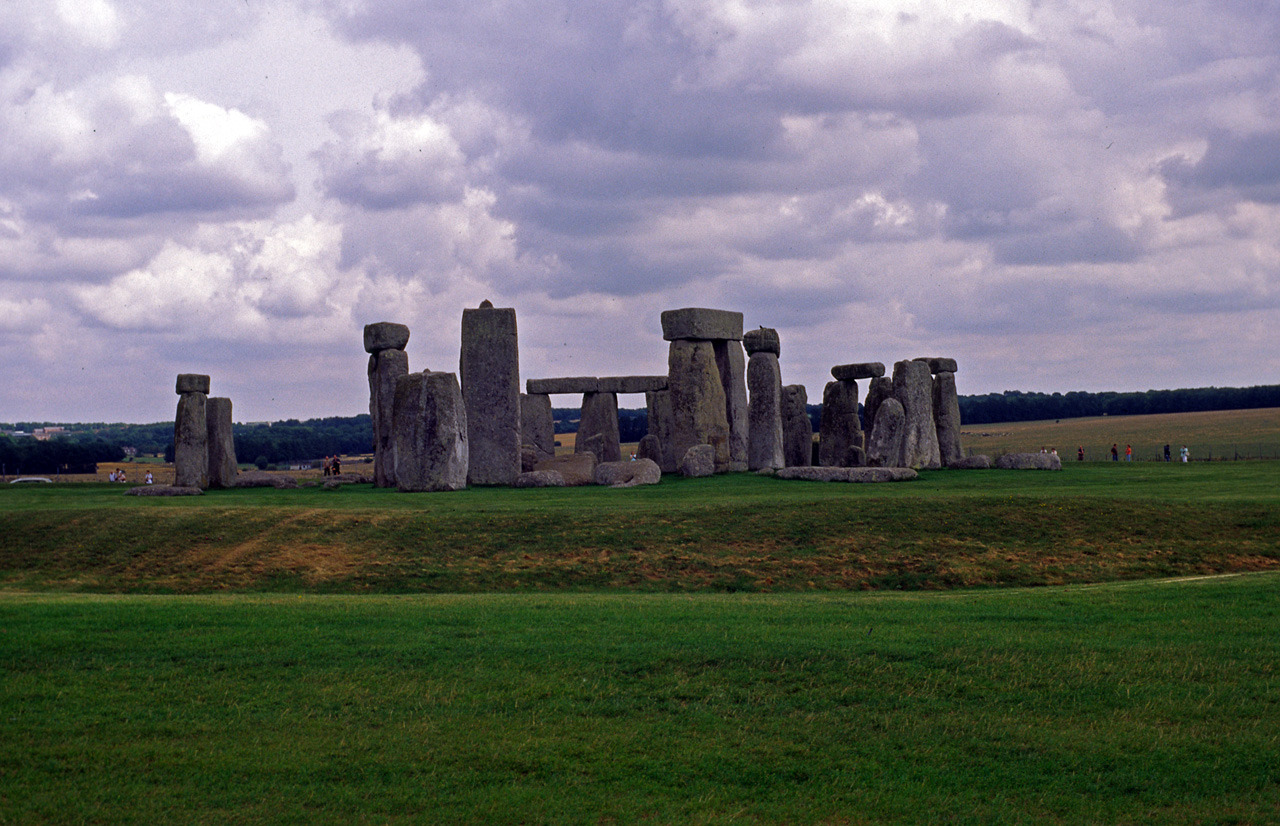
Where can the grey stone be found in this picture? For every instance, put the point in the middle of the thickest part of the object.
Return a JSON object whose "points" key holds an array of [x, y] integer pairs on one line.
{"points": [[628, 474], [632, 384], [881, 388], [385, 335], [862, 370], [540, 479], [762, 340], [975, 462], [732, 363], [696, 323], [698, 408], [797, 430], [163, 490], [529, 457], [938, 365], [537, 425], [192, 383], [913, 387], [593, 444], [432, 447], [764, 412], [489, 369], [599, 417], [570, 384], [658, 405], [839, 431], [946, 417], [222, 445], [262, 479], [191, 442], [1029, 461], [650, 447], [385, 369], [884, 445], [576, 469], [848, 474], [699, 460]]}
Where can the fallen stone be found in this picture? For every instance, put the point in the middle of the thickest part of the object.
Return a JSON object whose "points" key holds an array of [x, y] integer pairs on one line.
{"points": [[946, 416], [262, 479], [696, 323], [732, 364], [762, 340], [913, 388], [764, 412], [854, 372], [222, 445], [976, 462], [840, 432], [385, 369], [884, 445], [698, 461], [576, 469], [1029, 461], [797, 430], [698, 408], [385, 335], [540, 479], [163, 490], [650, 447], [192, 383], [632, 384], [628, 474], [938, 365], [848, 474], [489, 372], [572, 384], [432, 445]]}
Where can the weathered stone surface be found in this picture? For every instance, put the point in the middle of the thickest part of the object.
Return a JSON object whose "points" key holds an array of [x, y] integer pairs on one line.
{"points": [[431, 433], [696, 323], [529, 457], [848, 474], [884, 445], [628, 474], [797, 430], [385, 368], [658, 405], [764, 412], [976, 462], [599, 417], [569, 384], [540, 479], [650, 447], [862, 370], [698, 408], [162, 490], [699, 460], [913, 388], [192, 383], [946, 417], [385, 335], [593, 444], [1029, 461], [880, 389], [632, 384], [732, 363], [222, 445], [537, 426], [938, 365], [191, 442], [762, 340], [840, 432], [489, 369], [262, 479], [576, 469]]}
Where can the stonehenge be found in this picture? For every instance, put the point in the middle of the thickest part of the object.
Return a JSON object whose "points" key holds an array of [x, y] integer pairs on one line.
{"points": [[764, 408], [431, 445], [707, 384], [191, 432], [384, 342], [797, 430], [489, 370], [222, 445]]}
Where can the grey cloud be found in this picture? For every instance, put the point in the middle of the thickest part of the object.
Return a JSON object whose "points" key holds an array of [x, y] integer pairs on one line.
{"points": [[1247, 166]]}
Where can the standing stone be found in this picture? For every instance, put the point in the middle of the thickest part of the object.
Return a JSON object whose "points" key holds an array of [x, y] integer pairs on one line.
{"points": [[881, 388], [489, 368], [698, 407], [430, 423], [537, 424], [599, 417], [191, 433], [650, 447], [946, 414], [797, 430], [765, 440], [840, 435], [658, 405], [884, 444], [732, 364], [222, 444], [385, 369], [913, 388]]}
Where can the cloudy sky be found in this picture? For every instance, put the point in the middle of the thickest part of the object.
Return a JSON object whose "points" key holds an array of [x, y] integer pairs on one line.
{"points": [[1063, 196]]}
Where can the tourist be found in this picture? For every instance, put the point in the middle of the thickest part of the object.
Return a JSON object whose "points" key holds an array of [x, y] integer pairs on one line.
{"points": [[1186, 454], [112, 477], [337, 465], [1128, 453], [1115, 453], [149, 478], [1080, 453], [1166, 452], [328, 465], [122, 478]]}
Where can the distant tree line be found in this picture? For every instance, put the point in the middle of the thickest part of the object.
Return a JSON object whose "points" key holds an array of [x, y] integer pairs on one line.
{"points": [[28, 456], [1016, 406]]}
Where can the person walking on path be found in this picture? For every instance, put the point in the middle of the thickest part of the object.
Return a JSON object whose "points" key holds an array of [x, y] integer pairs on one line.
{"points": [[1128, 453], [1115, 454], [1080, 453], [1186, 454], [1166, 452]]}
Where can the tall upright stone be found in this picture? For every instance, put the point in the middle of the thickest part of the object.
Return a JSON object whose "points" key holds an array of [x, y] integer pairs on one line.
{"points": [[599, 417], [384, 342], [191, 432], [430, 425], [732, 364], [765, 443], [489, 368], [658, 407], [913, 388], [881, 388], [840, 433], [885, 442], [697, 402], [797, 430], [537, 424], [222, 444], [946, 415]]}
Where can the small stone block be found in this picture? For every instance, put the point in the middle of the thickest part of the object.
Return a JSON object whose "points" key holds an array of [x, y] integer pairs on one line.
{"points": [[853, 372], [632, 384], [938, 365], [385, 335], [573, 384], [192, 383], [763, 340], [698, 324]]}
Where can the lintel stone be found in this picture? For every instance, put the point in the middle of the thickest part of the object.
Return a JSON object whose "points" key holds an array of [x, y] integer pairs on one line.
{"points": [[385, 335], [192, 383], [762, 340], [632, 384], [938, 365], [572, 384], [698, 324], [854, 372]]}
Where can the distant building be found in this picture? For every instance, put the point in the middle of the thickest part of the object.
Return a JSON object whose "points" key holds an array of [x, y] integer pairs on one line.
{"points": [[44, 434]]}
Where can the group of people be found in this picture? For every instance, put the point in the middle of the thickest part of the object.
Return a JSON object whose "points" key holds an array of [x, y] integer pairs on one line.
{"points": [[1128, 453], [332, 466], [120, 476]]}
